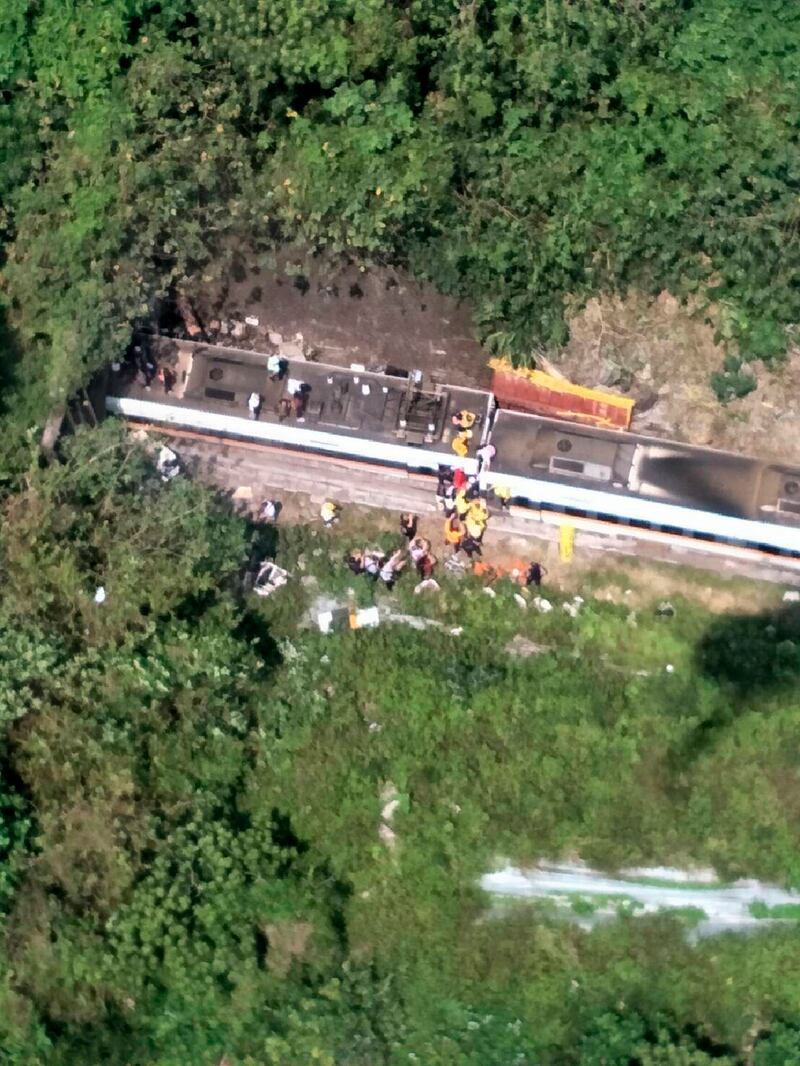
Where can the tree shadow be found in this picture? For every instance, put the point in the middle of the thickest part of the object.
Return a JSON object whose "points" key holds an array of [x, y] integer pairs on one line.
{"points": [[745, 656]]}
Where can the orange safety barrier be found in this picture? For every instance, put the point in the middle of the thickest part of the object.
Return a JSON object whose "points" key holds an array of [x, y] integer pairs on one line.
{"points": [[542, 394]]}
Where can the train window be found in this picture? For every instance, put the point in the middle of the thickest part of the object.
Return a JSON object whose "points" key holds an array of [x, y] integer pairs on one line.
{"points": [[215, 373], [564, 445]]}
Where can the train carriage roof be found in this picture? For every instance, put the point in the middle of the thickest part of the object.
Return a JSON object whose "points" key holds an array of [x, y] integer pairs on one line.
{"points": [[681, 474], [394, 407]]}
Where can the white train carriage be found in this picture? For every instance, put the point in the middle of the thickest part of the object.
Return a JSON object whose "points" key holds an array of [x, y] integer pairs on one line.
{"points": [[380, 418], [556, 470], [647, 484]]}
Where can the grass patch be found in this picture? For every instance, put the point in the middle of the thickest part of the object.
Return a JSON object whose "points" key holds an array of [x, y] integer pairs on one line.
{"points": [[783, 911]]}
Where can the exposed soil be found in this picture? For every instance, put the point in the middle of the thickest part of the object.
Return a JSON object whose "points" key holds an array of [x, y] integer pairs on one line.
{"points": [[345, 314], [664, 355], [657, 351]]}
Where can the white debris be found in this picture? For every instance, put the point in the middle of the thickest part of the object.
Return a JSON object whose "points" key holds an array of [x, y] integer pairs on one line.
{"points": [[275, 338], [167, 463], [237, 330], [670, 668], [791, 597], [390, 799], [251, 320], [456, 631], [428, 585], [571, 609], [387, 835], [100, 595], [487, 591], [521, 601], [269, 578], [542, 605]]}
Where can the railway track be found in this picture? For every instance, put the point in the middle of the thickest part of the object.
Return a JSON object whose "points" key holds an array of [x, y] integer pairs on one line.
{"points": [[229, 463]]}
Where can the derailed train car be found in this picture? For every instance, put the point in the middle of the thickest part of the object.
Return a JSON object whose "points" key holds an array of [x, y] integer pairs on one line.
{"points": [[648, 484], [556, 470]]}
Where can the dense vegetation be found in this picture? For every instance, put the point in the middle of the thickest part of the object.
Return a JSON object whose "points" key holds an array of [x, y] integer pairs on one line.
{"points": [[190, 781], [524, 155], [190, 865]]}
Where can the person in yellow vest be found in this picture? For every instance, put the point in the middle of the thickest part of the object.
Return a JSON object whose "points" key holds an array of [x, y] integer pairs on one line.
{"points": [[329, 513], [460, 443], [462, 504], [479, 512], [503, 494], [474, 528]]}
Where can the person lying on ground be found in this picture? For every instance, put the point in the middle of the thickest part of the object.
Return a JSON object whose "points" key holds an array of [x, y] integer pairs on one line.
{"points": [[373, 562], [354, 561], [392, 567]]}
